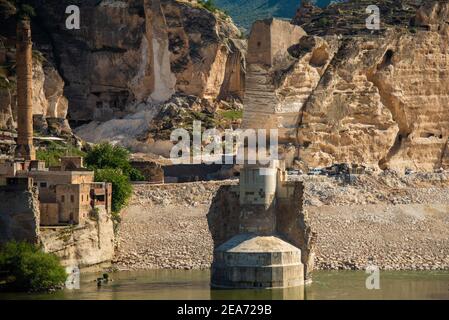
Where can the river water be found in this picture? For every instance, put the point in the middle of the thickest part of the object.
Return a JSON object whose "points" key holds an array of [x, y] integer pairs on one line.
{"points": [[181, 284]]}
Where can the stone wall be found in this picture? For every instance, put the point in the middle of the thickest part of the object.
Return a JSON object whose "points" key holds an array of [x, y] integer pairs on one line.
{"points": [[19, 214], [293, 223], [268, 105]]}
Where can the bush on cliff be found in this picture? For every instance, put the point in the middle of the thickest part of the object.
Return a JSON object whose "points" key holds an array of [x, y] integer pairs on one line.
{"points": [[107, 156], [25, 267], [121, 188], [54, 150]]}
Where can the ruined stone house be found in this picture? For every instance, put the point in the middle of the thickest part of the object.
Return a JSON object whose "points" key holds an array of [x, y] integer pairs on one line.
{"points": [[66, 194]]}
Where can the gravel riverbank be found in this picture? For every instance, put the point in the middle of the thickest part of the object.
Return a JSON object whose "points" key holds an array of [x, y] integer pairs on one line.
{"points": [[397, 223]]}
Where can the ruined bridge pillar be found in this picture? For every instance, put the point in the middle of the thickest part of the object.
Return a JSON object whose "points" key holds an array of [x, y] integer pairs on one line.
{"points": [[259, 257]]}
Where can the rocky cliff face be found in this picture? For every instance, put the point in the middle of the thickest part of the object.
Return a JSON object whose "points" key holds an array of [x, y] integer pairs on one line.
{"points": [[19, 220], [129, 54], [119, 82], [380, 99], [128, 58], [49, 102], [90, 245]]}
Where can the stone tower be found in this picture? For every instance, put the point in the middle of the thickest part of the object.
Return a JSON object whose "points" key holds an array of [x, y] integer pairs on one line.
{"points": [[24, 62]]}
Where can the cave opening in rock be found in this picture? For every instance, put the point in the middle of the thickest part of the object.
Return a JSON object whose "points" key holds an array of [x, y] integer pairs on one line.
{"points": [[387, 59]]}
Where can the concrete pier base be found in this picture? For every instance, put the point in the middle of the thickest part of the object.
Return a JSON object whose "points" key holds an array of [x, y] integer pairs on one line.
{"points": [[249, 261]]}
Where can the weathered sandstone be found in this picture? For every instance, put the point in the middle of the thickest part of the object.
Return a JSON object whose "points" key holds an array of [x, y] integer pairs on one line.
{"points": [[382, 101], [87, 246], [129, 53], [345, 95]]}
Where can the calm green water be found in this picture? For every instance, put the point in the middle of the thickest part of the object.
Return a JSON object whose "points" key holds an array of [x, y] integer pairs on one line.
{"points": [[179, 284]]}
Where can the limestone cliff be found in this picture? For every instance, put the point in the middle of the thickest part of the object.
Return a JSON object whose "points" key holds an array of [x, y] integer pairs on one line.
{"points": [[375, 98], [127, 58], [86, 246], [131, 55], [19, 219], [49, 102]]}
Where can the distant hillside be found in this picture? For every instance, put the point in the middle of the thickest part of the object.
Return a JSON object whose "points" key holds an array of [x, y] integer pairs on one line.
{"points": [[245, 12]]}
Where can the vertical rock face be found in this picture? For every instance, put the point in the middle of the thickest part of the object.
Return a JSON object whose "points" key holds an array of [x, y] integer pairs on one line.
{"points": [[344, 120], [139, 51], [48, 100], [198, 48], [46, 95], [19, 220], [383, 101], [86, 246], [6, 116], [380, 100]]}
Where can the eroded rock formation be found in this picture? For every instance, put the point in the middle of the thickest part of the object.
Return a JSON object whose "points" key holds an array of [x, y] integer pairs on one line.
{"points": [[379, 100], [49, 102], [19, 220], [139, 51], [383, 100]]}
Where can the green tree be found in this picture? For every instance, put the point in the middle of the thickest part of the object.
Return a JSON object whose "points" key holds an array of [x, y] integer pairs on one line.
{"points": [[25, 267], [121, 188], [108, 156]]}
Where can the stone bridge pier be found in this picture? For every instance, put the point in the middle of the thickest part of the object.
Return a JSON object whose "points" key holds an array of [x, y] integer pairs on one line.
{"points": [[269, 243]]}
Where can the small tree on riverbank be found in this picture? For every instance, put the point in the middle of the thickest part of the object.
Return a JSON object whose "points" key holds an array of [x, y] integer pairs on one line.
{"points": [[121, 189], [26, 267], [111, 164]]}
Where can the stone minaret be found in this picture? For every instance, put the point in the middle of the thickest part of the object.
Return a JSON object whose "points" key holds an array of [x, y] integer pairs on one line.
{"points": [[24, 64]]}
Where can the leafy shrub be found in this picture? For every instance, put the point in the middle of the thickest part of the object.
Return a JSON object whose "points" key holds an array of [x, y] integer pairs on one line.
{"points": [[232, 115], [121, 187], [324, 22], [107, 156], [25, 267], [54, 151]]}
